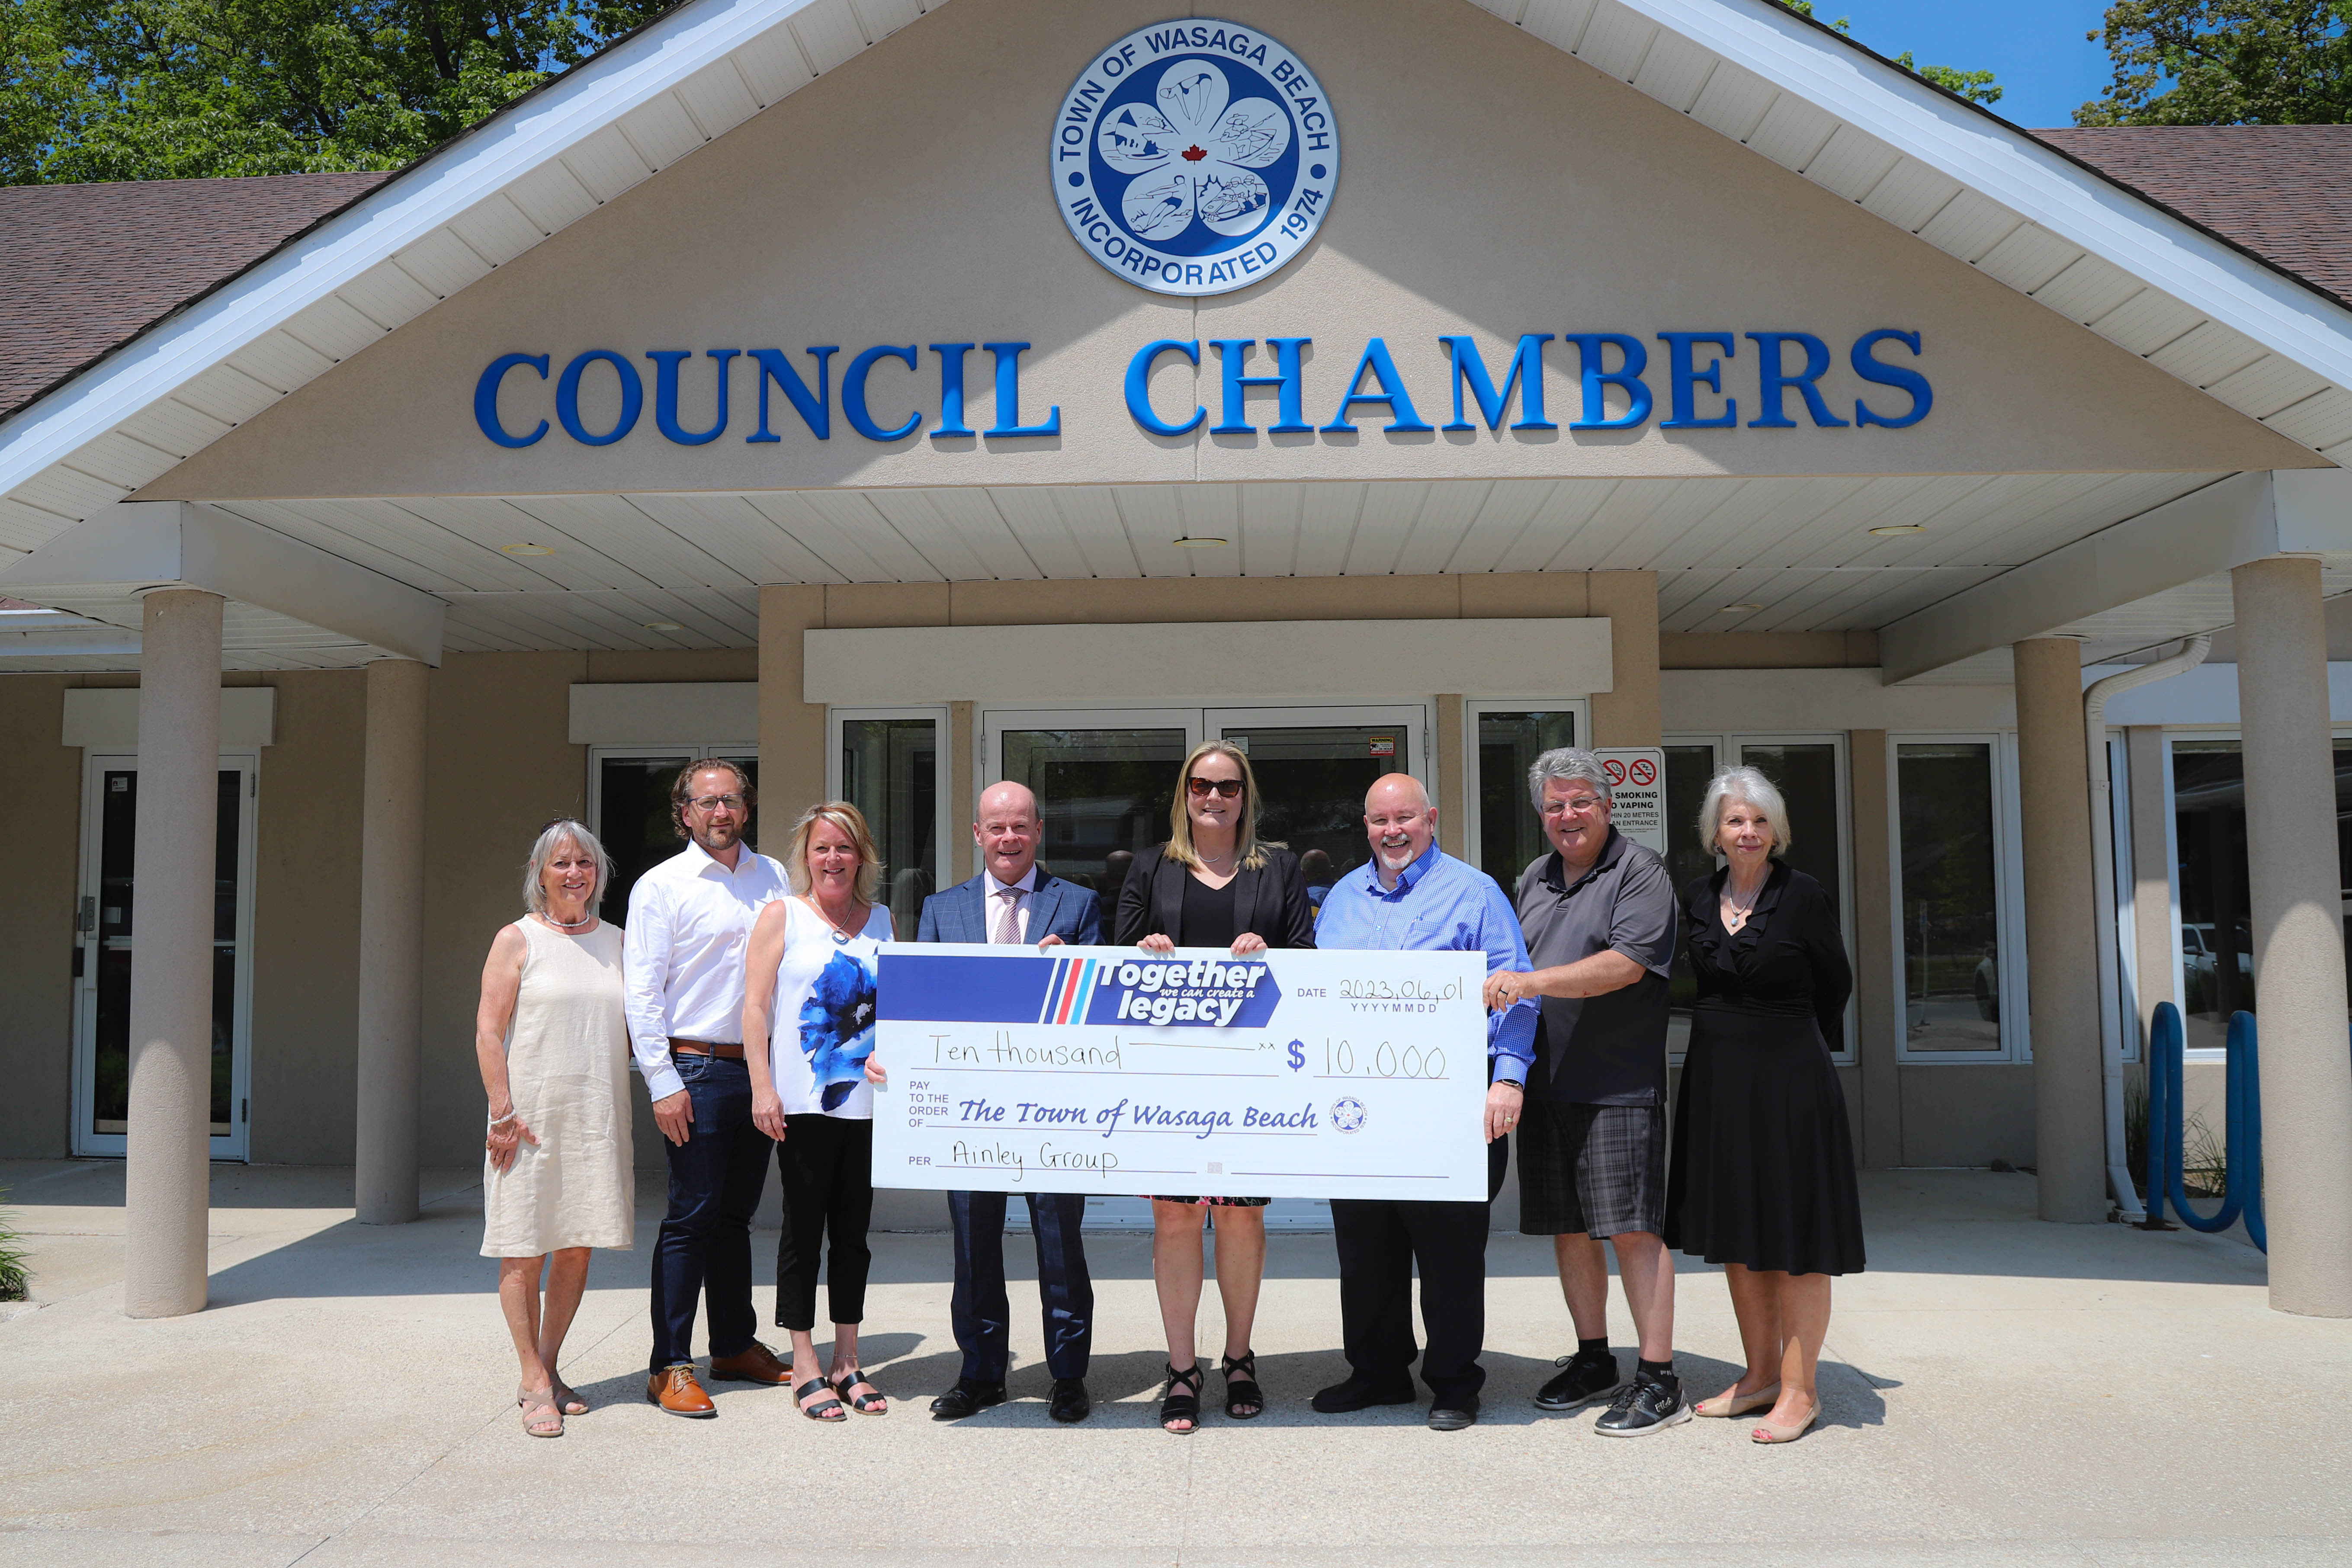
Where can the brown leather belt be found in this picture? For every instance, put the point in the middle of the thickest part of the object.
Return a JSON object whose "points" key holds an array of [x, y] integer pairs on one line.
{"points": [[734, 1053]]}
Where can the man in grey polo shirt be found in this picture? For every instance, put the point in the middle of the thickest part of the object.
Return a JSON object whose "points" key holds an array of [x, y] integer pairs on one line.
{"points": [[1599, 912]]}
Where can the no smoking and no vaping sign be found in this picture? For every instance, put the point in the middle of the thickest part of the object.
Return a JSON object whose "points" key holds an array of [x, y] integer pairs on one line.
{"points": [[1637, 780]]}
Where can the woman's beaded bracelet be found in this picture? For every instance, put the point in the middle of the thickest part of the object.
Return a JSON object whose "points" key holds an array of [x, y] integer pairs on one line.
{"points": [[498, 1121]]}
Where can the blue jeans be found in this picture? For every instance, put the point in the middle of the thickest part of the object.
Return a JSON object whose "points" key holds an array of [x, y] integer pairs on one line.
{"points": [[979, 1308], [716, 1177]]}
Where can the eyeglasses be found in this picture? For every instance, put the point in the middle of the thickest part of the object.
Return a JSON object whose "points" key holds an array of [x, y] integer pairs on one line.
{"points": [[1203, 788], [1579, 805], [713, 802]]}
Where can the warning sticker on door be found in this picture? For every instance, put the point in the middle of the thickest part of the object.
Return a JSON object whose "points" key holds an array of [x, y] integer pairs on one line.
{"points": [[1384, 746]]}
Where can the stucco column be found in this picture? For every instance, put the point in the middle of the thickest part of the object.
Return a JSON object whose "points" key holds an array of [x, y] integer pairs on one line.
{"points": [[1629, 713], [2291, 864], [167, 1175], [1875, 961], [392, 943], [2061, 950], [791, 730], [2151, 879]]}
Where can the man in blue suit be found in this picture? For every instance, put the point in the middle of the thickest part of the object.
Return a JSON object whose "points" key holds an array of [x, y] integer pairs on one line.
{"points": [[1013, 900]]}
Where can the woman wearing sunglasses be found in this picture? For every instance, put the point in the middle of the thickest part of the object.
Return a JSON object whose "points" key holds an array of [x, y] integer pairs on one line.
{"points": [[1213, 884]]}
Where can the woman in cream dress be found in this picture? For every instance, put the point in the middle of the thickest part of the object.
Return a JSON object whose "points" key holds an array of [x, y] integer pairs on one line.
{"points": [[554, 1053]]}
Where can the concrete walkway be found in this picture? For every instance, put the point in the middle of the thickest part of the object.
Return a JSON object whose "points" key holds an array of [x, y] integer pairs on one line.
{"points": [[1997, 1392]]}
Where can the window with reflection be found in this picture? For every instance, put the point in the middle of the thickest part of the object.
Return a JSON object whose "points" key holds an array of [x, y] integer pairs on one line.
{"points": [[1947, 868], [890, 773], [1510, 833]]}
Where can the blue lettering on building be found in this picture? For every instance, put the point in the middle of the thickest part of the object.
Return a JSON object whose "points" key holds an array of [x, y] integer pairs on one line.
{"points": [[1702, 383]]}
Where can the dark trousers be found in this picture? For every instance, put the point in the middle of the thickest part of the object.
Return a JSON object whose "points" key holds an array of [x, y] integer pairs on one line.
{"points": [[1380, 1241], [705, 1245], [825, 1168], [983, 1314]]}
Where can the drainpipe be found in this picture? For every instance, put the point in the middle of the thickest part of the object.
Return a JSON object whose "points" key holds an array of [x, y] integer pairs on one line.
{"points": [[2102, 892]]}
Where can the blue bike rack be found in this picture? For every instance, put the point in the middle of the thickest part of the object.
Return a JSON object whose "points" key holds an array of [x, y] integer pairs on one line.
{"points": [[2241, 1187]]}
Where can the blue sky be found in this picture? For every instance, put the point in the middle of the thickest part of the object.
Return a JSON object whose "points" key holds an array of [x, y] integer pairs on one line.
{"points": [[2036, 47]]}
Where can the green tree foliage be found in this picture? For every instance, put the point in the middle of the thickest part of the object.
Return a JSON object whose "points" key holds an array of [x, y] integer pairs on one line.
{"points": [[144, 89], [2226, 62], [1977, 87]]}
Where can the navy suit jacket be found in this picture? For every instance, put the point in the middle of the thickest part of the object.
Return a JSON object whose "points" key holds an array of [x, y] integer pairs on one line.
{"points": [[1057, 909]]}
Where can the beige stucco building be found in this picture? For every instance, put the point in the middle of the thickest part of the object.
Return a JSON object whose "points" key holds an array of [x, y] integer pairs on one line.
{"points": [[757, 389]]}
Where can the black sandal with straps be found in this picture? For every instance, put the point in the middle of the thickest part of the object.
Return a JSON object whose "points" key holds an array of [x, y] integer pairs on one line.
{"points": [[1183, 1405], [824, 1409], [1244, 1398], [874, 1404]]}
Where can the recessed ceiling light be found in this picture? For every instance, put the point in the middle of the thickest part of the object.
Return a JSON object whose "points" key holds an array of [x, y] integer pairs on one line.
{"points": [[1894, 528], [526, 549], [664, 626], [1191, 542], [1743, 606]]}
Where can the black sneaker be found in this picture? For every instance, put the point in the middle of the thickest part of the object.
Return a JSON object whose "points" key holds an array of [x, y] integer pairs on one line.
{"points": [[1647, 1404], [1587, 1378]]}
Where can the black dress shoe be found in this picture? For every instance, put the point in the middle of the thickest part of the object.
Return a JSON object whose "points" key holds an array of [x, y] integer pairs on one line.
{"points": [[966, 1398], [1361, 1393], [1453, 1417], [1071, 1403]]}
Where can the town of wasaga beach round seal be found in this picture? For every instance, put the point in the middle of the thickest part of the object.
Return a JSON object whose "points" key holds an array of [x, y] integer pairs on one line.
{"points": [[1195, 157]]}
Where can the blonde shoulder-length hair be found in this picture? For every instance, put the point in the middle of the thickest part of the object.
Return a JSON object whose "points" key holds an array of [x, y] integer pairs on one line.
{"points": [[1249, 850], [838, 814]]}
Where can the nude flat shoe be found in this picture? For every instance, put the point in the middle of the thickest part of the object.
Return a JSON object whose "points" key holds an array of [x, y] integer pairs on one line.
{"points": [[1734, 1403], [1768, 1433]]}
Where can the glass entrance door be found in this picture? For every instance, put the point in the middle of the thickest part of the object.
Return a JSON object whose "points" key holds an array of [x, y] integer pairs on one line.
{"points": [[106, 931]]}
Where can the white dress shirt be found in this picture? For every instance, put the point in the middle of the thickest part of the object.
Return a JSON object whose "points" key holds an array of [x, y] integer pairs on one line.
{"points": [[690, 921], [1024, 889]]}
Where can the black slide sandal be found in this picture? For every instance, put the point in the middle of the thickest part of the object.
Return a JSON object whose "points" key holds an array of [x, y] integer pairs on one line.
{"points": [[1244, 1400], [1181, 1407], [874, 1404], [823, 1410]]}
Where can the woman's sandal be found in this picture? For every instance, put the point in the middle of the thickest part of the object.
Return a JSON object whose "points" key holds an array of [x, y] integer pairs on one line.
{"points": [[541, 1418], [1767, 1433], [824, 1409], [1244, 1398], [1731, 1402], [1183, 1406], [874, 1404], [567, 1400]]}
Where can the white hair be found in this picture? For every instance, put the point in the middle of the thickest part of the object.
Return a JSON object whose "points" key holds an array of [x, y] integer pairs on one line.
{"points": [[1566, 762], [1750, 785], [550, 838]]}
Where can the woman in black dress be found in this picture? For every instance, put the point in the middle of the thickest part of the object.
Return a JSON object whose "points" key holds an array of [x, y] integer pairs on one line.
{"points": [[1213, 884], [1763, 1173]]}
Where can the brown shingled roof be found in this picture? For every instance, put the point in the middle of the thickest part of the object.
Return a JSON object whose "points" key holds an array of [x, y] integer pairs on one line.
{"points": [[2284, 192], [85, 269]]}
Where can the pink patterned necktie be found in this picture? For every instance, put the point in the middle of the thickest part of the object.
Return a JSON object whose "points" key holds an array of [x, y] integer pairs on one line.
{"points": [[1008, 919]]}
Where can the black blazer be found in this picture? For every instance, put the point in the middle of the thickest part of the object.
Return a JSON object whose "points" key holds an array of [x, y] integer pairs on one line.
{"points": [[1271, 901]]}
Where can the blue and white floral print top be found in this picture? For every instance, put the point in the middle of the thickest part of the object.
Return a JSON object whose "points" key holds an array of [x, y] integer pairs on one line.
{"points": [[824, 1015]]}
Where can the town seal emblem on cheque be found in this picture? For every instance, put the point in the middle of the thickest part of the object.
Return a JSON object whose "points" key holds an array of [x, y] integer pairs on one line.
{"points": [[1194, 157]]}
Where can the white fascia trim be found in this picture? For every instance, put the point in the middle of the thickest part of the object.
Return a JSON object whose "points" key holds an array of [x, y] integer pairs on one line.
{"points": [[2030, 179], [575, 106]]}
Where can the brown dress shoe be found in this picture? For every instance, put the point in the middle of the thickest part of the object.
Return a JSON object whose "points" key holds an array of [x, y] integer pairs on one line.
{"points": [[675, 1390], [757, 1365]]}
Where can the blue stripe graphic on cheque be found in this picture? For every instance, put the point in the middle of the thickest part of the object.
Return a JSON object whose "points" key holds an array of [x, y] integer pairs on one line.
{"points": [[1183, 993]]}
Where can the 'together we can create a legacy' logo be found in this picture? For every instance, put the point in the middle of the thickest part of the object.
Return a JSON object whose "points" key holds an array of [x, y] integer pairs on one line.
{"points": [[1194, 157]]}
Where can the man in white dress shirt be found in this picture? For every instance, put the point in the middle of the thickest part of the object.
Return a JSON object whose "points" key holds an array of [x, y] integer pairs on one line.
{"points": [[689, 922]]}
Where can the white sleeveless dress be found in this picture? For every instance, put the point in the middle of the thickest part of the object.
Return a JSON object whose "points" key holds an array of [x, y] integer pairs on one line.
{"points": [[568, 1069], [823, 1015]]}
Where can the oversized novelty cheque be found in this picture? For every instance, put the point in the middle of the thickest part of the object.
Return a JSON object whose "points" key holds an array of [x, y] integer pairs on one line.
{"points": [[1109, 1071]]}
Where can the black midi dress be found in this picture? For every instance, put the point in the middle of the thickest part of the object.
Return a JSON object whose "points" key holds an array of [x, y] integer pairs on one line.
{"points": [[1762, 1167]]}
